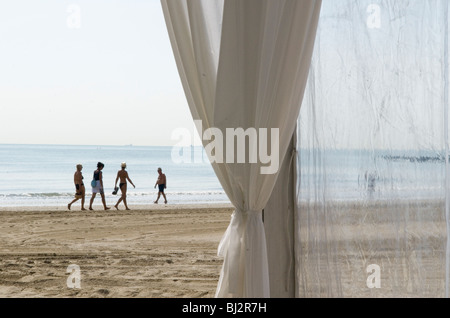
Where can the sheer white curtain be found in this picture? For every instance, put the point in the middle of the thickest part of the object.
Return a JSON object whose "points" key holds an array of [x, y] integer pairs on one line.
{"points": [[244, 64], [373, 145]]}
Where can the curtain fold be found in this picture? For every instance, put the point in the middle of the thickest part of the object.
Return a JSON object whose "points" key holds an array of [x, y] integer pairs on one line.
{"points": [[244, 64]]}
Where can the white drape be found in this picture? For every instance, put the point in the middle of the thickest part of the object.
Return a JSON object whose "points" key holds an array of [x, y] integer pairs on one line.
{"points": [[244, 64], [373, 144]]}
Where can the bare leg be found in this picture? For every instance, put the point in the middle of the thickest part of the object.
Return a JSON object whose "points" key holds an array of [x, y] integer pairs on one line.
{"points": [[159, 194], [73, 201], [123, 189], [104, 201], [92, 201], [164, 195], [117, 204], [82, 203], [125, 202], [124, 196]]}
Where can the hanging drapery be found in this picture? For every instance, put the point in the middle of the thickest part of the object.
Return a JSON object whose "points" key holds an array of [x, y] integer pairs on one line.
{"points": [[244, 64], [373, 144]]}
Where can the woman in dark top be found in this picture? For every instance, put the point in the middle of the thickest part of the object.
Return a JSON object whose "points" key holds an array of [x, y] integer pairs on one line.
{"points": [[98, 188]]}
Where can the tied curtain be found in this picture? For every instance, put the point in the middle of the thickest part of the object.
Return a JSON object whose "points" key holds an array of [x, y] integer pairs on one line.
{"points": [[244, 64], [373, 184]]}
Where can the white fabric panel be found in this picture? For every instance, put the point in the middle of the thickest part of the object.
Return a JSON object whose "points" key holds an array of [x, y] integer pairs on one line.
{"points": [[253, 78], [265, 52], [195, 30], [373, 152], [279, 224]]}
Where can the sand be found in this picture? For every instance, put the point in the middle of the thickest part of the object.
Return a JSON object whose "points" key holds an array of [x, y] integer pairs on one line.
{"points": [[406, 239], [157, 251], [170, 251]]}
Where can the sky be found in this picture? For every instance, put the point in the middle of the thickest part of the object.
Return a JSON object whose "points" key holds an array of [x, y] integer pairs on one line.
{"points": [[377, 79], [88, 73], [102, 72]]}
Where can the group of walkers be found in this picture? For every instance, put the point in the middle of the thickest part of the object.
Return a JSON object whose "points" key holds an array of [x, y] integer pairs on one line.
{"points": [[97, 186]]}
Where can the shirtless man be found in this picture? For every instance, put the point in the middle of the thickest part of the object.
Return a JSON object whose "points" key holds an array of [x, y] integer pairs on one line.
{"points": [[161, 182], [79, 186], [123, 176]]}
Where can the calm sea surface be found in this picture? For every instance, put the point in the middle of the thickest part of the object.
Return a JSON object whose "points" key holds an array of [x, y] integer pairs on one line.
{"points": [[42, 175], [358, 175]]}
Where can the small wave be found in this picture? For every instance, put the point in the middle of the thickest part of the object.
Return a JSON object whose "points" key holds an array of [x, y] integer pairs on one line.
{"points": [[36, 195], [62, 198], [177, 193], [130, 193]]}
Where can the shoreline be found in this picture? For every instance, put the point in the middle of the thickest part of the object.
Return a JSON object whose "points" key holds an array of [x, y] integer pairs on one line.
{"points": [[344, 204], [98, 208]]}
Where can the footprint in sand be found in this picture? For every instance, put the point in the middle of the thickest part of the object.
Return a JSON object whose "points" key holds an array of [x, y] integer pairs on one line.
{"points": [[103, 291]]}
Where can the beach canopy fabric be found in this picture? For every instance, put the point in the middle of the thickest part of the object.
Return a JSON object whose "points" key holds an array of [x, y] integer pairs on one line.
{"points": [[372, 208], [373, 200], [244, 64]]}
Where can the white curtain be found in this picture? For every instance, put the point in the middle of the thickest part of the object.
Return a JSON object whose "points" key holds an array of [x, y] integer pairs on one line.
{"points": [[373, 152], [244, 64]]}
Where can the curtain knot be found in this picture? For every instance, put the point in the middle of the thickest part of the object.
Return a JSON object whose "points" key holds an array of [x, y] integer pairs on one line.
{"points": [[248, 213]]}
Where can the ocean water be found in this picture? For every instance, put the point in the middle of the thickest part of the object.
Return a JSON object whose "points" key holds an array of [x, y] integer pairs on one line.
{"points": [[383, 175], [42, 175]]}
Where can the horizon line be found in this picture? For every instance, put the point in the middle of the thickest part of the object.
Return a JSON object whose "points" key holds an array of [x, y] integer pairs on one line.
{"points": [[197, 145], [89, 145]]}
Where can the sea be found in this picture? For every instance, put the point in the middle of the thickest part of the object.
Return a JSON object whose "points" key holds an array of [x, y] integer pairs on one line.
{"points": [[42, 175], [371, 175]]}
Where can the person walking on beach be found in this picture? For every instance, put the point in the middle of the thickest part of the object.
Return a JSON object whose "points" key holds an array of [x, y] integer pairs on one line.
{"points": [[79, 186], [98, 187], [161, 182], [123, 176]]}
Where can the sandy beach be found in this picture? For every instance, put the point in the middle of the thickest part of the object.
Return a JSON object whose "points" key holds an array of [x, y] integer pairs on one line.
{"points": [[155, 251], [405, 239], [170, 251]]}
